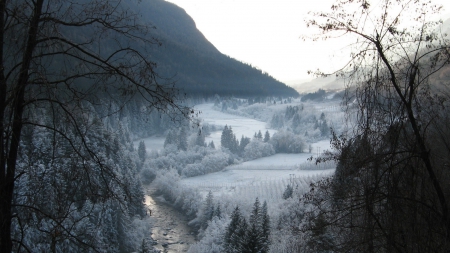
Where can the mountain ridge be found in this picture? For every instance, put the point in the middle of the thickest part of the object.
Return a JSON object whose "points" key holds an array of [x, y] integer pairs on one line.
{"points": [[195, 65]]}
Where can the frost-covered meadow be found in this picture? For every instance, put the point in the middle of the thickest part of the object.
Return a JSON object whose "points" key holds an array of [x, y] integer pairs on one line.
{"points": [[241, 125]]}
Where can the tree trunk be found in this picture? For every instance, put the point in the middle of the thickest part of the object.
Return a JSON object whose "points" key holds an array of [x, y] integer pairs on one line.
{"points": [[9, 156]]}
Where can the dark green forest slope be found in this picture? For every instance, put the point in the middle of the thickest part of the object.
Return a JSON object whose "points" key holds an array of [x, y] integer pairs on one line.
{"points": [[194, 64]]}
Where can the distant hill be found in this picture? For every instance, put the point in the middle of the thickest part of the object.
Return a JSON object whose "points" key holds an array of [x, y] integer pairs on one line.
{"points": [[440, 79], [330, 83], [195, 65]]}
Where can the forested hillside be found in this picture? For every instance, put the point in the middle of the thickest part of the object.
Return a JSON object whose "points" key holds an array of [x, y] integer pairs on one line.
{"points": [[196, 66]]}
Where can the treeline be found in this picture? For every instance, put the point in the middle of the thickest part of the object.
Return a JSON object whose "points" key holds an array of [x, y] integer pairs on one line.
{"points": [[299, 121], [249, 237]]}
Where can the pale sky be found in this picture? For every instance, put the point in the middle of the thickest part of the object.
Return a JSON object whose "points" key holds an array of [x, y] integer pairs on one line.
{"points": [[266, 34]]}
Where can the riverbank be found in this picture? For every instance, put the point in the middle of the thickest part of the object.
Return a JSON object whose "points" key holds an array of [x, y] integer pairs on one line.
{"points": [[170, 230]]}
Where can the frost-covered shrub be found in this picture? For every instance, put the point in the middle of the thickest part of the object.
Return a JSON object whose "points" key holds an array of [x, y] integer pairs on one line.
{"points": [[287, 142], [313, 135], [140, 232], [257, 149], [198, 160], [188, 200], [166, 182], [183, 197], [212, 241], [192, 170], [258, 111], [169, 149], [147, 175], [215, 161]]}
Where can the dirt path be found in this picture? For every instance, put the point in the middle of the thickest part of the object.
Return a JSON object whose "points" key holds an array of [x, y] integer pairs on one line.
{"points": [[170, 229]]}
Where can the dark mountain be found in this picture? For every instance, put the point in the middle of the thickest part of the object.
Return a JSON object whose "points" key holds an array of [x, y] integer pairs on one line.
{"points": [[195, 65]]}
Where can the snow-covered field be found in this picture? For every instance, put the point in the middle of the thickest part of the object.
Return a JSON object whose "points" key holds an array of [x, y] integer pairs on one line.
{"points": [[230, 178], [266, 177], [240, 125], [244, 186], [283, 161]]}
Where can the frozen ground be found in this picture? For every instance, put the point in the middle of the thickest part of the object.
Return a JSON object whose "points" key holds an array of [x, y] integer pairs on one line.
{"points": [[229, 178], [266, 170], [283, 161], [240, 125], [266, 177], [241, 187]]}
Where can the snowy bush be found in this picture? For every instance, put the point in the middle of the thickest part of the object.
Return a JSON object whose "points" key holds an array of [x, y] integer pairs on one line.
{"points": [[257, 149], [212, 162], [166, 182], [287, 142], [215, 161], [188, 200], [192, 170], [147, 175], [212, 242], [184, 198]]}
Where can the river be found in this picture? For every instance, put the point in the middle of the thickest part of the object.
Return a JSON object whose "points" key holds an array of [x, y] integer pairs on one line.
{"points": [[170, 229]]}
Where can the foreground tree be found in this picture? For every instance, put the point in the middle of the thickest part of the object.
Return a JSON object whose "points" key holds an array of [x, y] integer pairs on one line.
{"points": [[235, 233], [59, 61], [390, 191]]}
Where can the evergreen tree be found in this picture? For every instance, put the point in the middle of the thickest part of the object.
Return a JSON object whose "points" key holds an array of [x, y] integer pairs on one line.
{"points": [[171, 138], [288, 192], [324, 130], [218, 212], [243, 143], [211, 145], [224, 106], [240, 237], [208, 210], [277, 121], [265, 229], [141, 151], [267, 136], [257, 236], [234, 145], [254, 231], [182, 139], [321, 240], [228, 140], [235, 234], [254, 216], [259, 136], [252, 242], [296, 121], [225, 137]]}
